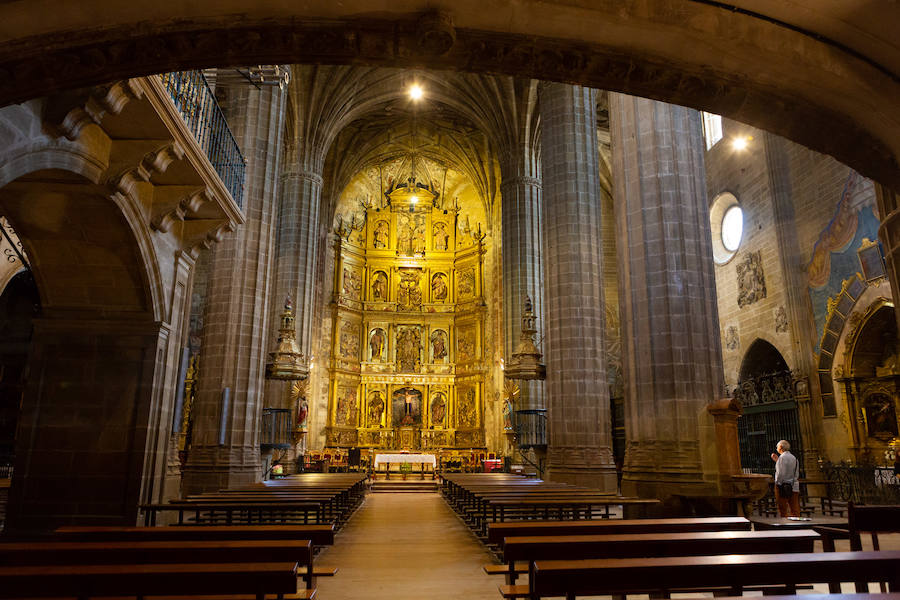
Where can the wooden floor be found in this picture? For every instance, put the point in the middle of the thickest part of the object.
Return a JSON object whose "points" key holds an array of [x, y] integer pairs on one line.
{"points": [[400, 546]]}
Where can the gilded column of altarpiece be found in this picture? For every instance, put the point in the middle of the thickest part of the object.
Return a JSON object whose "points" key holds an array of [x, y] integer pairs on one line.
{"points": [[408, 362]]}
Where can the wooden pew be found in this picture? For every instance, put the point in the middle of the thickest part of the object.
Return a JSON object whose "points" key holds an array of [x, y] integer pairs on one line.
{"points": [[653, 575], [180, 580], [498, 531], [160, 552], [320, 535], [530, 549]]}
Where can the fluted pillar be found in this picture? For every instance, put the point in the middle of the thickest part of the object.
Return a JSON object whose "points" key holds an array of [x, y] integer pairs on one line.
{"points": [[670, 329], [225, 444], [580, 437]]}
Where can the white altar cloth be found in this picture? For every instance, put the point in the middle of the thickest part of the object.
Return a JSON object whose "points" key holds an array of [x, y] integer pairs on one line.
{"points": [[405, 458]]}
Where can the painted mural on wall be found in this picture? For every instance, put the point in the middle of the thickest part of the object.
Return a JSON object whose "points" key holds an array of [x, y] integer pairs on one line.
{"points": [[834, 256]]}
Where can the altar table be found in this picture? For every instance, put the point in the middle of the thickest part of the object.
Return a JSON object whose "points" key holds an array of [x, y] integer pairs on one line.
{"points": [[428, 459]]}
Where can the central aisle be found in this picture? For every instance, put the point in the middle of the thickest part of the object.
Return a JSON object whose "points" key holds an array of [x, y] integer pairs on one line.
{"points": [[406, 545]]}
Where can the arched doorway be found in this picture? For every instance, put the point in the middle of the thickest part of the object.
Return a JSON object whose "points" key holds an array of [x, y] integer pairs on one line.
{"points": [[849, 112], [766, 392]]}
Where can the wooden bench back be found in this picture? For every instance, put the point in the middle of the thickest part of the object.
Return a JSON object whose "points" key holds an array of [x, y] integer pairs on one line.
{"points": [[91, 581], [873, 519], [657, 544], [498, 531], [320, 535], [650, 575]]}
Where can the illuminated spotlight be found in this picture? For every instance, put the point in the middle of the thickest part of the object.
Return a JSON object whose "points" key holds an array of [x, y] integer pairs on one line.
{"points": [[414, 199], [416, 92], [741, 142]]}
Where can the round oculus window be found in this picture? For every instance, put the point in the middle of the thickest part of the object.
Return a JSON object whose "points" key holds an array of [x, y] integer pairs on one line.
{"points": [[732, 228]]}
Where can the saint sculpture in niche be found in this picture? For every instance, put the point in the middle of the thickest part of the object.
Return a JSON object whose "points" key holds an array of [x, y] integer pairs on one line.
{"points": [[409, 346], [438, 409], [438, 345], [376, 344], [381, 235], [379, 286], [441, 239], [439, 288], [376, 409]]}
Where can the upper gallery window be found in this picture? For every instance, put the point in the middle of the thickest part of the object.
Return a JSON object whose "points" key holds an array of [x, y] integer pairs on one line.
{"points": [[712, 129]]}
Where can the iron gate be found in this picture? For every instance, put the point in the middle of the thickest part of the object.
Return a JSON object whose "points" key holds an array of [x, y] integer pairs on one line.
{"points": [[770, 415]]}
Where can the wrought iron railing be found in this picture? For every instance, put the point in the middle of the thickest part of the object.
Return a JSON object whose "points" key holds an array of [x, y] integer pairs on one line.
{"points": [[862, 484], [531, 427], [197, 104]]}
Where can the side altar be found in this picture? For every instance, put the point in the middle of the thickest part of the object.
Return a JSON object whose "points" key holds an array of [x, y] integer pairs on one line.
{"points": [[408, 362]]}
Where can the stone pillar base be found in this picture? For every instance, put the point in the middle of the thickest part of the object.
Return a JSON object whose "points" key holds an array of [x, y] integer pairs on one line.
{"points": [[601, 478], [212, 469]]}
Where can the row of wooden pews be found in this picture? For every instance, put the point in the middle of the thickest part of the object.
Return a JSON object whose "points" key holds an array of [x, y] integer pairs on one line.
{"points": [[661, 556], [303, 499], [208, 552], [485, 498]]}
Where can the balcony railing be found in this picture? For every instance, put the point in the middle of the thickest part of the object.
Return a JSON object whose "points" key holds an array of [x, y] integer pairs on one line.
{"points": [[195, 101], [275, 429]]}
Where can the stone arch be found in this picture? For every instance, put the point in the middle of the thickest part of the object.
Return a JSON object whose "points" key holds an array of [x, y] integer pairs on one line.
{"points": [[85, 256], [761, 358], [756, 67]]}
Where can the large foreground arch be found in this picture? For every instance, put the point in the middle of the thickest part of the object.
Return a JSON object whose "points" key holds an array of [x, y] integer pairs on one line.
{"points": [[824, 74]]}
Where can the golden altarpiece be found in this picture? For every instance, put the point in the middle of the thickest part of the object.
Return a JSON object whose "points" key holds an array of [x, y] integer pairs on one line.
{"points": [[408, 363]]}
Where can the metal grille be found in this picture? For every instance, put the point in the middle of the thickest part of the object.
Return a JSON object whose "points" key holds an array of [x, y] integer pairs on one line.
{"points": [[531, 427], [195, 101], [276, 429], [760, 428]]}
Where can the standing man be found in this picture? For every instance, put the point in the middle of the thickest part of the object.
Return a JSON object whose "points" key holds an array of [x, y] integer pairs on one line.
{"points": [[787, 470]]}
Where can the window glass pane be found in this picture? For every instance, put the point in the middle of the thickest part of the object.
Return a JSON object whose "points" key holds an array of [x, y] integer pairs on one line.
{"points": [[712, 129], [732, 228]]}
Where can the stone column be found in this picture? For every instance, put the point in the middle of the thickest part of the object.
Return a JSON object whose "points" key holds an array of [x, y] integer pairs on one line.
{"points": [[801, 325], [235, 334], [580, 436], [83, 443], [523, 267], [670, 328]]}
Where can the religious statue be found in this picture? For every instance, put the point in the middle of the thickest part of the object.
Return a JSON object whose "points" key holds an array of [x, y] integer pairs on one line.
{"points": [[381, 234], [302, 414], [379, 286], [376, 409], [418, 241], [441, 239], [507, 415], [346, 408], [438, 345], [406, 407], [439, 287], [376, 344], [409, 345], [405, 236], [438, 409]]}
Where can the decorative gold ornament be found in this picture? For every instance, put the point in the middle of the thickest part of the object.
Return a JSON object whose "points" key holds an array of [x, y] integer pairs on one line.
{"points": [[287, 362], [526, 360]]}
